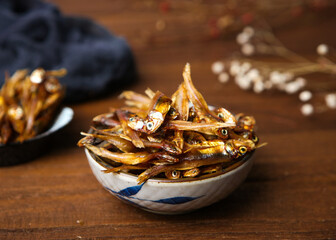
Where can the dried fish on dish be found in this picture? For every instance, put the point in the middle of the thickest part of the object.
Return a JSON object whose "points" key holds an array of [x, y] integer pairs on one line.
{"points": [[178, 138]]}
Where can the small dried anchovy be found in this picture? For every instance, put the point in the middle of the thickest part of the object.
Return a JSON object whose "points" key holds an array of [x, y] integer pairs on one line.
{"points": [[178, 137], [28, 103]]}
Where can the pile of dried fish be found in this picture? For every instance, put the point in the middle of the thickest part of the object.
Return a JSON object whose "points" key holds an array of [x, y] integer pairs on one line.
{"points": [[177, 137], [28, 103]]}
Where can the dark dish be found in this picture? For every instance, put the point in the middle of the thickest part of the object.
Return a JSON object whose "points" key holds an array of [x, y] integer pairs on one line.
{"points": [[17, 153]]}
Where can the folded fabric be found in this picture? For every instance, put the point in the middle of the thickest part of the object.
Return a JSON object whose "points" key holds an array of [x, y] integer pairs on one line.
{"points": [[35, 34]]}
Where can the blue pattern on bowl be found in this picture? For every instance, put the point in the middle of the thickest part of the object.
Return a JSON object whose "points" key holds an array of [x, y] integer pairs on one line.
{"points": [[128, 193]]}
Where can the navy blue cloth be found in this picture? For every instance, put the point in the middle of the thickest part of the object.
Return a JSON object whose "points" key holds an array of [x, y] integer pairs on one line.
{"points": [[35, 34]]}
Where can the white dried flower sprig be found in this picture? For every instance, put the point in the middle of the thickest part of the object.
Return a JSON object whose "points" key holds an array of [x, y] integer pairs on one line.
{"points": [[285, 76], [257, 76], [328, 104], [262, 41], [322, 49]]}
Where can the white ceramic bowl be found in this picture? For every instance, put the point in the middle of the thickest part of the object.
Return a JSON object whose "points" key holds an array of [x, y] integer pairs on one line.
{"points": [[167, 196]]}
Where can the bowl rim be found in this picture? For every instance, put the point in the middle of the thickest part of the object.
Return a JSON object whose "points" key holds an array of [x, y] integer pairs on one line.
{"points": [[56, 125], [242, 163]]}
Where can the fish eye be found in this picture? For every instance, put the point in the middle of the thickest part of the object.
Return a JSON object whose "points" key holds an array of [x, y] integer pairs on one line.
{"points": [[131, 119], [224, 132], [255, 138], [220, 115], [150, 126], [175, 174], [242, 149]]}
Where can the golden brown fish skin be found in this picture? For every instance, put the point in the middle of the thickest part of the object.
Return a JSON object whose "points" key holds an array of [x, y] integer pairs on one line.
{"points": [[150, 93], [209, 128], [164, 145], [232, 148], [172, 114], [31, 102], [212, 168], [128, 158], [137, 100], [180, 137], [184, 164], [120, 143], [237, 148], [125, 168], [12, 87], [16, 117], [136, 140], [157, 144], [85, 140], [181, 104], [206, 147], [157, 111], [192, 137], [244, 122], [107, 119], [244, 135], [156, 114], [5, 130], [196, 98], [225, 115], [191, 172], [130, 95]]}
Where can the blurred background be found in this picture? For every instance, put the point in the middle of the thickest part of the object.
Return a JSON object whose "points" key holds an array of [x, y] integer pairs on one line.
{"points": [[164, 35], [272, 59]]}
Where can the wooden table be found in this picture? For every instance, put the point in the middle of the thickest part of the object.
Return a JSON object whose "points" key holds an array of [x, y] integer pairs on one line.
{"points": [[289, 194]]}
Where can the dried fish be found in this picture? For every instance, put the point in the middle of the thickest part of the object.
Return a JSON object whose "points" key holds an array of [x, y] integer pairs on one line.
{"points": [[129, 158], [159, 107], [177, 137], [28, 103]]}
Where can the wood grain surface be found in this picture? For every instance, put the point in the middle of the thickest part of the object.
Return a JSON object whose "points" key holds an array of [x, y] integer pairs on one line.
{"points": [[289, 194]]}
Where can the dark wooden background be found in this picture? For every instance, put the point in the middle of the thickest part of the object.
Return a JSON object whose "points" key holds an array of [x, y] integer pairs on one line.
{"points": [[289, 194]]}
